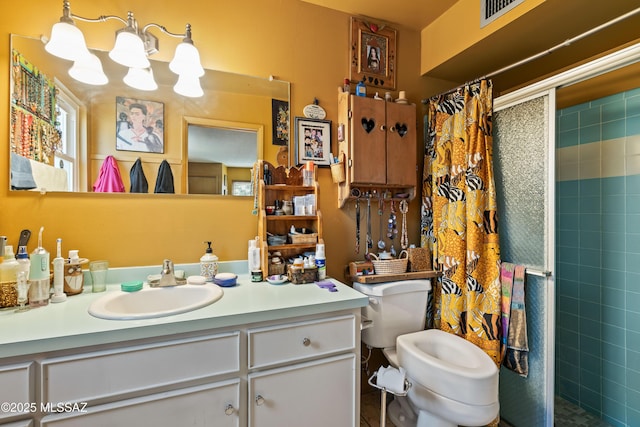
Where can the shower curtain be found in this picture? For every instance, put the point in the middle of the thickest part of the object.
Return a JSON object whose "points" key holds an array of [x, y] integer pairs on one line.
{"points": [[459, 215]]}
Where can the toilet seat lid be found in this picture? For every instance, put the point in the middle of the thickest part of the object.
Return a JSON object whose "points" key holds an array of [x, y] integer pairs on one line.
{"points": [[391, 288]]}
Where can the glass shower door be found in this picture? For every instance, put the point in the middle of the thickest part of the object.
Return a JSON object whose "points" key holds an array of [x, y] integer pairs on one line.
{"points": [[524, 173]]}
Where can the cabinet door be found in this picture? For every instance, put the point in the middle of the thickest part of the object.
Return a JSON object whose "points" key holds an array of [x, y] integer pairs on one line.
{"points": [[16, 387], [316, 394], [214, 405], [368, 141], [401, 147]]}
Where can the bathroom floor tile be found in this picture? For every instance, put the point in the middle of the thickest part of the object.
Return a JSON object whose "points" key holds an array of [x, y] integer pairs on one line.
{"points": [[370, 410]]}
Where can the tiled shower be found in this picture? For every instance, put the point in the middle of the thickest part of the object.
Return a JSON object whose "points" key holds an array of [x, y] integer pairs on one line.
{"points": [[598, 257]]}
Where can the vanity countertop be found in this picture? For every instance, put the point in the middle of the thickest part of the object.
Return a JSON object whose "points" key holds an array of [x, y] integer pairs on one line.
{"points": [[69, 325]]}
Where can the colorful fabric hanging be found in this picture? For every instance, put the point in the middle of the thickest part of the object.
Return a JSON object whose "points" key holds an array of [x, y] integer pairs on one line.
{"points": [[459, 215], [517, 352], [109, 180]]}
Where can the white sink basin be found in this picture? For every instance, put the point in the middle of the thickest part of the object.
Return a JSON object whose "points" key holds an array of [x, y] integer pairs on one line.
{"points": [[154, 302]]}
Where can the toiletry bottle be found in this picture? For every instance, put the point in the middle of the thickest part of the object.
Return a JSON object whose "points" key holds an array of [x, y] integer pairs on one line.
{"points": [[361, 89], [321, 262], [208, 264], [9, 266], [24, 264], [254, 260], [39, 275], [346, 88], [58, 275]]}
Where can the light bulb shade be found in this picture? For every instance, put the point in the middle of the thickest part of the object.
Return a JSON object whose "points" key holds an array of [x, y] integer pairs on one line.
{"points": [[66, 42], [129, 50], [88, 69], [140, 78], [186, 61], [188, 86]]}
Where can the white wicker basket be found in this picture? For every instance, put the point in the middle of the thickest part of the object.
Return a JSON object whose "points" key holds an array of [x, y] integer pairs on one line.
{"points": [[390, 266]]}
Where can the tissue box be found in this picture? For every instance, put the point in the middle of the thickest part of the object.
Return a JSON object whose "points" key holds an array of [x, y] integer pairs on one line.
{"points": [[360, 268]]}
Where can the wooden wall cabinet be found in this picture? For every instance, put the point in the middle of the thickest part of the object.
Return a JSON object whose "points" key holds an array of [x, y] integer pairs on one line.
{"points": [[378, 145], [286, 184]]}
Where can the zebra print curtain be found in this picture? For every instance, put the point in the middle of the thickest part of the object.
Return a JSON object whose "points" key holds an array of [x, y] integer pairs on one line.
{"points": [[459, 220]]}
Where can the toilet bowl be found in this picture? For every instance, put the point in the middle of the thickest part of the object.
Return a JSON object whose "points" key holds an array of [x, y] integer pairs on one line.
{"points": [[453, 381]]}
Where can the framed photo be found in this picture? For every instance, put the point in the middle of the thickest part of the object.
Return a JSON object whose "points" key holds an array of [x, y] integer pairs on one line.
{"points": [[139, 125], [280, 122], [373, 54], [313, 141]]}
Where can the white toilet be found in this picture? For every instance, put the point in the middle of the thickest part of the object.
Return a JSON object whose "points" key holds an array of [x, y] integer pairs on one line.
{"points": [[453, 382]]}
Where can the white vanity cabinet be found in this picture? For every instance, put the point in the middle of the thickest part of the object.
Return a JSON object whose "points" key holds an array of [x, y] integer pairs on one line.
{"points": [[313, 376], [16, 393], [262, 356], [126, 378], [206, 405]]}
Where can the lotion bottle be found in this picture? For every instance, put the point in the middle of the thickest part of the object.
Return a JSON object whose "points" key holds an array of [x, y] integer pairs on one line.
{"points": [[58, 275], [254, 260], [9, 266], [208, 264], [321, 262]]}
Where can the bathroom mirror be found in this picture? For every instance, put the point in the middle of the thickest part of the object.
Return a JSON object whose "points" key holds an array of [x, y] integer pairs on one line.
{"points": [[234, 109]]}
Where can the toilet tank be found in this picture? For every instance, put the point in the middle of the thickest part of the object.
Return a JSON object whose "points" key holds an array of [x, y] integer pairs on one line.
{"points": [[395, 308]]}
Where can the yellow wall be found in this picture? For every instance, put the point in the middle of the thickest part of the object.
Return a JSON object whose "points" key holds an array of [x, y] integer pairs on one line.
{"points": [[294, 41]]}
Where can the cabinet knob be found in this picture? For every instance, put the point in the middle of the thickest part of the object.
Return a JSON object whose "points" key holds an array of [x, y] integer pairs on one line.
{"points": [[383, 128], [259, 400], [306, 342], [392, 129], [229, 409]]}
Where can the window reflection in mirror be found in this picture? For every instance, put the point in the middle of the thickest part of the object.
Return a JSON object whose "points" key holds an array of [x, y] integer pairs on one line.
{"points": [[87, 118]]}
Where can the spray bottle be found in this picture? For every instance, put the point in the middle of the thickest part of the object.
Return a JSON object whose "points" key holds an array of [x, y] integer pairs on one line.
{"points": [[39, 275], [58, 275]]}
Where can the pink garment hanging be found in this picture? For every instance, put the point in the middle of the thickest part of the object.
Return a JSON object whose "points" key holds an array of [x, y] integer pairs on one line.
{"points": [[109, 180]]}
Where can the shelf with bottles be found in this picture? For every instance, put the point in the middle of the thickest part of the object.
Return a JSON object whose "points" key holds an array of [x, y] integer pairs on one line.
{"points": [[284, 202]]}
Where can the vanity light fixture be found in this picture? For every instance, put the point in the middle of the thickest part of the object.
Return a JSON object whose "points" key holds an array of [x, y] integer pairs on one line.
{"points": [[132, 48]]}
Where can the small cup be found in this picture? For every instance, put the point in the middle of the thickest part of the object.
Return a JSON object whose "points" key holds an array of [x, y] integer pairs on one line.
{"points": [[98, 270], [270, 210]]}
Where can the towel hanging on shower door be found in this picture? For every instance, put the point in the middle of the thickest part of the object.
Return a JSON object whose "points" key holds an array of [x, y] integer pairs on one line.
{"points": [[517, 355]]}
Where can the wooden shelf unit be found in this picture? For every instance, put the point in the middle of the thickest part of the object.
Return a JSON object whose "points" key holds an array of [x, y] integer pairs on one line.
{"points": [[286, 183]]}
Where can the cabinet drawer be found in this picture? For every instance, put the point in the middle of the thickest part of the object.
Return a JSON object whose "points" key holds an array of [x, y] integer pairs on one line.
{"points": [[16, 387], [210, 405], [105, 374], [295, 341]]}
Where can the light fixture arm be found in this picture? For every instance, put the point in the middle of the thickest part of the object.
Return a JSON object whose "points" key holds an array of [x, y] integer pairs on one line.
{"points": [[186, 35]]}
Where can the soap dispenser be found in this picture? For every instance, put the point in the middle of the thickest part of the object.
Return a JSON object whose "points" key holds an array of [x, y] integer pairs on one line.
{"points": [[208, 264]]}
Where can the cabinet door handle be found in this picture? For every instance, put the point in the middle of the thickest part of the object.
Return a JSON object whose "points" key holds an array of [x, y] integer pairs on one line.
{"points": [[306, 342], [229, 409], [259, 400]]}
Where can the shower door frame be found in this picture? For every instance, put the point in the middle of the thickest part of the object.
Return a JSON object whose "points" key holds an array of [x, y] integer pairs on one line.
{"points": [[547, 87]]}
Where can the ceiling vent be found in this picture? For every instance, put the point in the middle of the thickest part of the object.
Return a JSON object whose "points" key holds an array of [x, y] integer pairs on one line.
{"points": [[491, 10]]}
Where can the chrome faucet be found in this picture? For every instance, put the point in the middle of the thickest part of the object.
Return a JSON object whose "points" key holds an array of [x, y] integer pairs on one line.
{"points": [[167, 278]]}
